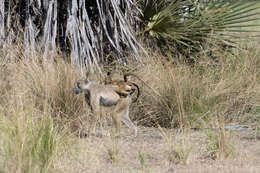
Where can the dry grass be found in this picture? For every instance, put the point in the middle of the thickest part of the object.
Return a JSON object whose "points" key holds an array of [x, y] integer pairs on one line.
{"points": [[113, 151], [220, 144], [178, 149], [48, 88], [149, 153], [28, 143], [37, 106], [190, 96], [39, 112]]}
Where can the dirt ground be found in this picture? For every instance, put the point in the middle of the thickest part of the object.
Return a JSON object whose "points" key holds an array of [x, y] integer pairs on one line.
{"points": [[149, 153]]}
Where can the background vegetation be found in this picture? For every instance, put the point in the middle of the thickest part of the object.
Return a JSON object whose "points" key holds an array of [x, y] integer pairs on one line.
{"points": [[97, 32], [46, 46]]}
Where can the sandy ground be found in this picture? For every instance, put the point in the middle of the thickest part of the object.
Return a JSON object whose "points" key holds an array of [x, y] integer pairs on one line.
{"points": [[150, 150]]}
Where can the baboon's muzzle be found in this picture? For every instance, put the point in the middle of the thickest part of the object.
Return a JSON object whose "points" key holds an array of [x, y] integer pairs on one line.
{"points": [[77, 90]]}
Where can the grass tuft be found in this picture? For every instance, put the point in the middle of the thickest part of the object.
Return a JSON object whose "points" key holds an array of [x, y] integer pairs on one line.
{"points": [[220, 144], [142, 156], [178, 150], [113, 151], [29, 144]]}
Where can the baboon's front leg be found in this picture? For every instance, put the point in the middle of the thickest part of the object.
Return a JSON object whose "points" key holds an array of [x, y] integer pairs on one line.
{"points": [[95, 113], [102, 120]]}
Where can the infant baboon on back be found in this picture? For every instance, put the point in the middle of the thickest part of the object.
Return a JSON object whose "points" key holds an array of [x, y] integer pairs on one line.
{"points": [[124, 87]]}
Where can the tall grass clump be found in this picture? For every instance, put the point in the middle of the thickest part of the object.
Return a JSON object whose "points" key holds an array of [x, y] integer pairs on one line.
{"points": [[189, 95], [37, 107], [48, 86], [29, 143], [113, 151], [220, 143], [177, 150]]}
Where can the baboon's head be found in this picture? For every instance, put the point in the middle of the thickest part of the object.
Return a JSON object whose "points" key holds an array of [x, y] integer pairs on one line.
{"points": [[81, 86]]}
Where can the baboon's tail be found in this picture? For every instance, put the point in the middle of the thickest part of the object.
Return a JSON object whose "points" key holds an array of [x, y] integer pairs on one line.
{"points": [[138, 92], [130, 74]]}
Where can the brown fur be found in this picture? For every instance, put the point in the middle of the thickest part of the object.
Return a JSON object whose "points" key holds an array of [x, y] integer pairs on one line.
{"points": [[124, 87], [98, 95]]}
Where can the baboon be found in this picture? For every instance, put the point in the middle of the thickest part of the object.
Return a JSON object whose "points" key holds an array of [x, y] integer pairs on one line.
{"points": [[124, 87], [97, 95]]}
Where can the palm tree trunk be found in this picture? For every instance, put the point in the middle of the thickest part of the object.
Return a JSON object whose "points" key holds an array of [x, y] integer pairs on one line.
{"points": [[88, 30]]}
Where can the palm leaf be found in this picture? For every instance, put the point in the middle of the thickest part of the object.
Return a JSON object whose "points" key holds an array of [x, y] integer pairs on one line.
{"points": [[189, 22]]}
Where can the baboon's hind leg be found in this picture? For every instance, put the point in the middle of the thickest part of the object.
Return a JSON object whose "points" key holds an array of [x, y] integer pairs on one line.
{"points": [[118, 112], [124, 115], [128, 122], [94, 116], [103, 121]]}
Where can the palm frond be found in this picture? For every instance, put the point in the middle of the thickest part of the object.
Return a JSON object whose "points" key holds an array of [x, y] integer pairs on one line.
{"points": [[189, 22]]}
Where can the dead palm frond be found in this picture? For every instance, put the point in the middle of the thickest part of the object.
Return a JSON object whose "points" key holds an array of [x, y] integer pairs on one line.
{"points": [[88, 30]]}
